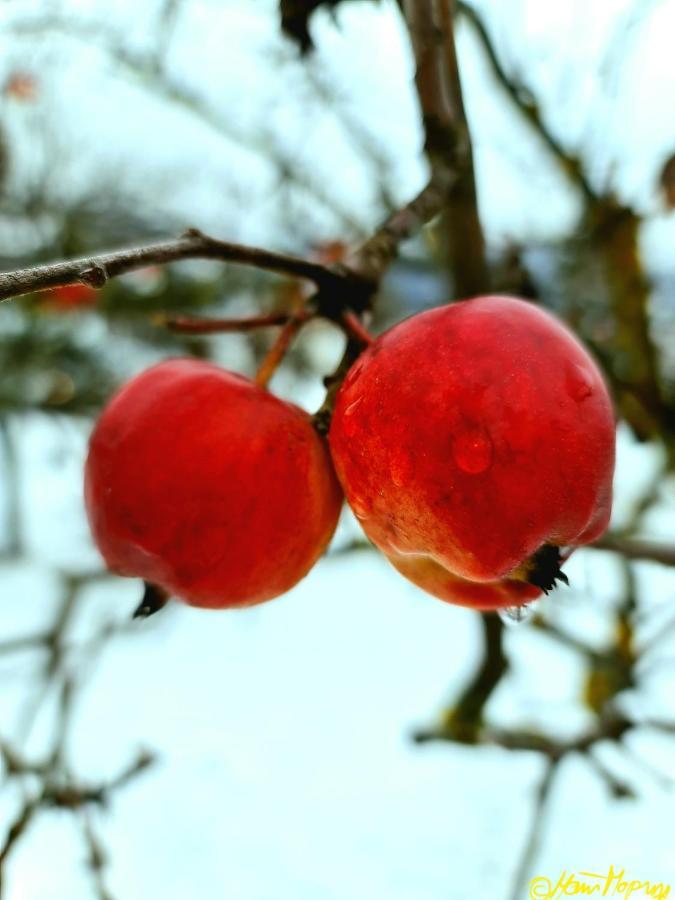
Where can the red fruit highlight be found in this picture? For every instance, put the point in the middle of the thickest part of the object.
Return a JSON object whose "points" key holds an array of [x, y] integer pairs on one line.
{"points": [[473, 440], [22, 86], [203, 483], [69, 297]]}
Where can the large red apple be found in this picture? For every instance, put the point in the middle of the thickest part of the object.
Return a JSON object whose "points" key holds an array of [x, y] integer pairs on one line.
{"points": [[473, 441], [203, 483]]}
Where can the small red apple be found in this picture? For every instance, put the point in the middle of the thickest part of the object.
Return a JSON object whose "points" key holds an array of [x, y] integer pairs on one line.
{"points": [[201, 482], [473, 441], [69, 298], [22, 86]]}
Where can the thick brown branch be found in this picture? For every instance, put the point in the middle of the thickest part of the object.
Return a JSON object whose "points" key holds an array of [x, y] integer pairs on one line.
{"points": [[636, 548], [612, 729], [463, 722], [96, 270], [447, 138]]}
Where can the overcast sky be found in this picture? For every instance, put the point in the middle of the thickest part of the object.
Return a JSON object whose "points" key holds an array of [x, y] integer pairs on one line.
{"points": [[286, 770]]}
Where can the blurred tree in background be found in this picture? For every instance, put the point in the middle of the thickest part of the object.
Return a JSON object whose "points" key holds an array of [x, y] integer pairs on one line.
{"points": [[299, 126]]}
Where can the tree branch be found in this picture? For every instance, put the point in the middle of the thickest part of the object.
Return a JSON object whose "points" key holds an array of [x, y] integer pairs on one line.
{"points": [[96, 270], [636, 548], [463, 722], [196, 325], [373, 257], [533, 842], [525, 103], [447, 138], [157, 80], [278, 350]]}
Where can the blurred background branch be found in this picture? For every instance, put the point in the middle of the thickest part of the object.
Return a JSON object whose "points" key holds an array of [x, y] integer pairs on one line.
{"points": [[518, 184]]}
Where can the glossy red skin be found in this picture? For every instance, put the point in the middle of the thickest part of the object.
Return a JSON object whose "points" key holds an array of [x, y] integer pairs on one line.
{"points": [[468, 436], [70, 297], [202, 482]]}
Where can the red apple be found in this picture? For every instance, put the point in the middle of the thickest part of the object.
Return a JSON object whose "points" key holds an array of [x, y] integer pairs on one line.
{"points": [[22, 86], [203, 483], [69, 297], [473, 441]]}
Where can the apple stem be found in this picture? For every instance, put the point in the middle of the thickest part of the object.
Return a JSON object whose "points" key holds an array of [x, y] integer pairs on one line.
{"points": [[279, 348], [355, 328]]}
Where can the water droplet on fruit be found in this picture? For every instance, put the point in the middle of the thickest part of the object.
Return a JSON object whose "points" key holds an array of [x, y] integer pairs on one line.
{"points": [[472, 451], [348, 423], [355, 371], [516, 615], [351, 409], [400, 469], [359, 509], [578, 383]]}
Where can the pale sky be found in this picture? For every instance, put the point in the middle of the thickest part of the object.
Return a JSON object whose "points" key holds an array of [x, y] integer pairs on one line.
{"points": [[286, 770]]}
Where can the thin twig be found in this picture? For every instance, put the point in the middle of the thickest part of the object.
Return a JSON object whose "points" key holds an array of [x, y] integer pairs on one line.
{"points": [[97, 858], [367, 264], [534, 838], [96, 270], [57, 786], [195, 325], [16, 830], [12, 486], [279, 348], [39, 640], [638, 549], [374, 256], [353, 326], [159, 81], [524, 101]]}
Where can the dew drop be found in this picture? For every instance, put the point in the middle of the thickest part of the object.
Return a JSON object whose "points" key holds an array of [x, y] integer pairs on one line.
{"points": [[578, 383], [472, 451], [400, 469], [359, 509], [349, 424], [355, 371], [351, 409], [516, 615]]}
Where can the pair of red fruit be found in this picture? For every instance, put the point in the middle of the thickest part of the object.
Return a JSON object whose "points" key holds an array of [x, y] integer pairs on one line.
{"points": [[474, 442]]}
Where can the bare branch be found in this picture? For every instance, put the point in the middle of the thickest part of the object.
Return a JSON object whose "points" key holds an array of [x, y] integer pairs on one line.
{"points": [[533, 842], [525, 102], [279, 349], [25, 642], [156, 79], [463, 722], [355, 329], [195, 325], [16, 830], [372, 258], [97, 857], [636, 548], [96, 270], [447, 137]]}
